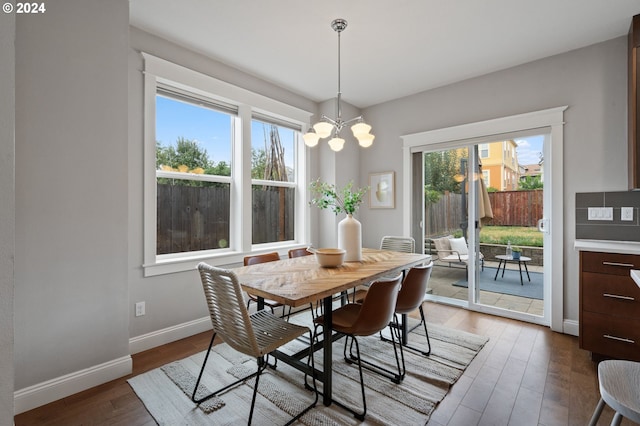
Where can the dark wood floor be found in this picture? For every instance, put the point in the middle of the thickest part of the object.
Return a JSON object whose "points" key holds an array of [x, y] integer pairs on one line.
{"points": [[526, 375]]}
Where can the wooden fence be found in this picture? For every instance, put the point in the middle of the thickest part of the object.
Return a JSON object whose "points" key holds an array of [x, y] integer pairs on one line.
{"points": [[510, 208], [197, 218]]}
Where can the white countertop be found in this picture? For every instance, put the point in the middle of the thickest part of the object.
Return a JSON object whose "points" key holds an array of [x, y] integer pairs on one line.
{"points": [[604, 246], [635, 274]]}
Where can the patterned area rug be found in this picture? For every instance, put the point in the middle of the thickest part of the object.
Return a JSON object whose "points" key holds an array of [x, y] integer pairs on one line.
{"points": [[166, 391]]}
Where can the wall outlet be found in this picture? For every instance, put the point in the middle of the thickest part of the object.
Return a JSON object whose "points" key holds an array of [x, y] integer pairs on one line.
{"points": [[140, 309], [600, 213], [626, 213]]}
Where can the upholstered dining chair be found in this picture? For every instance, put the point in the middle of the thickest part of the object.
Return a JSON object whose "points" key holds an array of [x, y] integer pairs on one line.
{"points": [[410, 298], [263, 258], [255, 335], [366, 319]]}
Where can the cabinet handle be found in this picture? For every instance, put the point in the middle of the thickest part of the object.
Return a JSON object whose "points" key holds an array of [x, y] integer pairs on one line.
{"points": [[624, 265], [620, 339], [616, 296]]}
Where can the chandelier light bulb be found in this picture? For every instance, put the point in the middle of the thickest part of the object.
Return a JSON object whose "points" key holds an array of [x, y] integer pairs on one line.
{"points": [[360, 129], [336, 144], [366, 140], [311, 138], [323, 129]]}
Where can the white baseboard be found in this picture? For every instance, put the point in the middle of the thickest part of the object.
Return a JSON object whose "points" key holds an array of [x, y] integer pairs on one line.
{"points": [[168, 335], [571, 327], [43, 393]]}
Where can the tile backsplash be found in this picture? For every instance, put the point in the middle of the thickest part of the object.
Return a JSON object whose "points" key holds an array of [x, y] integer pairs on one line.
{"points": [[615, 229]]}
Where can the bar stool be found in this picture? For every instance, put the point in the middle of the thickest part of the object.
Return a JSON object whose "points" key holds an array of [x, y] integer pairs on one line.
{"points": [[619, 383]]}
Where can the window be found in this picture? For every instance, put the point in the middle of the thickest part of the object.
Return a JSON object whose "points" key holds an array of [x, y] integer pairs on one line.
{"points": [[484, 150], [273, 181], [487, 178], [223, 173]]}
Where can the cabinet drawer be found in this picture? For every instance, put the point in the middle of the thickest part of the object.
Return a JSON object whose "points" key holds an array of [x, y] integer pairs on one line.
{"points": [[615, 295], [609, 263], [613, 337]]}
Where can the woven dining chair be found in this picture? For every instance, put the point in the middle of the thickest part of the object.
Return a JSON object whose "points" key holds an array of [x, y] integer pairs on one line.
{"points": [[255, 335], [366, 319], [272, 304]]}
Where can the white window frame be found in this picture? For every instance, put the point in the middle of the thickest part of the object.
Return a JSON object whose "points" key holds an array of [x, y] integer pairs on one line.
{"points": [[159, 71]]}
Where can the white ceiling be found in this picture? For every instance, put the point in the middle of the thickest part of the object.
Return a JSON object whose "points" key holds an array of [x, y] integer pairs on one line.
{"points": [[390, 49]]}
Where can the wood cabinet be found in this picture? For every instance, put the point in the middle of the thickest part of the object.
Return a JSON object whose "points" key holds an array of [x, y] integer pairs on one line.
{"points": [[609, 305], [634, 103]]}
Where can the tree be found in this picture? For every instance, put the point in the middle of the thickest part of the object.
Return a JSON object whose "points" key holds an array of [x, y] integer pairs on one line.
{"points": [[186, 153], [530, 182], [441, 169]]}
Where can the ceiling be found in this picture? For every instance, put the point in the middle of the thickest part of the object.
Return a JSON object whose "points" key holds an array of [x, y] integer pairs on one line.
{"points": [[390, 49]]}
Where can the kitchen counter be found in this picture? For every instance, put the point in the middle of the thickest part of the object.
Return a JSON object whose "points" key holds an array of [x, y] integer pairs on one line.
{"points": [[604, 246]]}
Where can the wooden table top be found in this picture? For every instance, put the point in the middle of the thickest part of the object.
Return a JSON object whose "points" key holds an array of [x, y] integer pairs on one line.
{"points": [[300, 281]]}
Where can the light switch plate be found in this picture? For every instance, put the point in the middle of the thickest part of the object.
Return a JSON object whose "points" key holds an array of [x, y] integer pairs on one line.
{"points": [[626, 213]]}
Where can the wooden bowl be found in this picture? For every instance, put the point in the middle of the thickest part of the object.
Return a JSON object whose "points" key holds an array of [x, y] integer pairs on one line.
{"points": [[329, 257]]}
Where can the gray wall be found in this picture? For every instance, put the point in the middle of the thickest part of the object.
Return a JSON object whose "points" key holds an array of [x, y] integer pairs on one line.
{"points": [[7, 212], [71, 289], [592, 81]]}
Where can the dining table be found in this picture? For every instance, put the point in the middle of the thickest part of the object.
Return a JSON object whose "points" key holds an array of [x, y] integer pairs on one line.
{"points": [[299, 281]]}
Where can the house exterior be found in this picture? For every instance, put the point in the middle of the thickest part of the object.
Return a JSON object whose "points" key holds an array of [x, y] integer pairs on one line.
{"points": [[72, 198], [500, 165]]}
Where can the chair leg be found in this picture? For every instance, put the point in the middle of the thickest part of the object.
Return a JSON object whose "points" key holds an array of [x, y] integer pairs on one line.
{"points": [[212, 394], [396, 377], [261, 366], [596, 413], [617, 419], [359, 416]]}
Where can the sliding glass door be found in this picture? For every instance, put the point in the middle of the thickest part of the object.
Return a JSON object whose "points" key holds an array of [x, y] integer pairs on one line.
{"points": [[480, 208]]}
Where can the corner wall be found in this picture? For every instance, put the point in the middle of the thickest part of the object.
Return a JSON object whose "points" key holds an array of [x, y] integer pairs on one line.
{"points": [[7, 212], [71, 290]]}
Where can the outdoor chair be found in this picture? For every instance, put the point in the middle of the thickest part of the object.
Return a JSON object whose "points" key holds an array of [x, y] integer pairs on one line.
{"points": [[454, 251], [263, 258], [366, 319], [255, 335]]}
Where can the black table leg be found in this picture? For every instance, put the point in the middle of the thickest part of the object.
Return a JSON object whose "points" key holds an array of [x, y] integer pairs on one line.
{"points": [[500, 263], [327, 352], [527, 269], [520, 268]]}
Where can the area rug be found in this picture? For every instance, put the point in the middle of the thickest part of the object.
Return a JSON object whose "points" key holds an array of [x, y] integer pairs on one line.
{"points": [[281, 391], [510, 283]]}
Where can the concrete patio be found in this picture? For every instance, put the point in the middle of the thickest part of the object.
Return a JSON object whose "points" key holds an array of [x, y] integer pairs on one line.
{"points": [[443, 277]]}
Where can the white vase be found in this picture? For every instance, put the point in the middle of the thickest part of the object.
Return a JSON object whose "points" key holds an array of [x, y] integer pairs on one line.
{"points": [[350, 238]]}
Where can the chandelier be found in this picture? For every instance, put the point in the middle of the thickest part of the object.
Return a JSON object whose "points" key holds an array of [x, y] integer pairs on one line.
{"points": [[327, 126]]}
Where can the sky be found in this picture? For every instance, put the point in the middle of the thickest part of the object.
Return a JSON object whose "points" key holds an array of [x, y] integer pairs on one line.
{"points": [[529, 149], [209, 128]]}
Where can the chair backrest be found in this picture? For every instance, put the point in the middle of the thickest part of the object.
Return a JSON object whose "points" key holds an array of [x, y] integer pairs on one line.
{"points": [[443, 245], [413, 289], [378, 307], [227, 310], [299, 252], [261, 258], [403, 244]]}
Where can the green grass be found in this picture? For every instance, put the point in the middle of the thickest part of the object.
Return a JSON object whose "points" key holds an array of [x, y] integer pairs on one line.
{"points": [[518, 235]]}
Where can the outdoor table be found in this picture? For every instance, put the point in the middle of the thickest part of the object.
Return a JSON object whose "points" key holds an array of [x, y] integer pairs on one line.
{"points": [[522, 260]]}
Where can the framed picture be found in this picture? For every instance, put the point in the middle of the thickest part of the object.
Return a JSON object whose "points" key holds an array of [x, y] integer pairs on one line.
{"points": [[382, 193]]}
